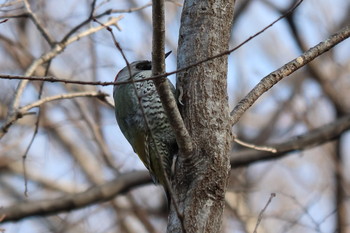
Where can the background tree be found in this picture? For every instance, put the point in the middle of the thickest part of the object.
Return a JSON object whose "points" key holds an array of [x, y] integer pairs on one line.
{"points": [[80, 164]]}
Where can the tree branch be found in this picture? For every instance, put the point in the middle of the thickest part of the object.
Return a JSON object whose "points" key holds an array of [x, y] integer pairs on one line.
{"points": [[313, 138], [57, 49], [129, 180], [158, 68], [91, 196], [24, 110], [270, 80], [35, 176], [168, 100], [98, 94], [39, 25]]}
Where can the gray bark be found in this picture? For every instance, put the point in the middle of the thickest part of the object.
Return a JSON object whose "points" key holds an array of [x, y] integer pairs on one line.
{"points": [[200, 180]]}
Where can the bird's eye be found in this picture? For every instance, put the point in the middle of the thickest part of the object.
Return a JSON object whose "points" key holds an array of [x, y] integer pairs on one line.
{"points": [[145, 65]]}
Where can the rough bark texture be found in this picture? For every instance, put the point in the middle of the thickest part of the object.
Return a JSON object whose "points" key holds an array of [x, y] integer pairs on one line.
{"points": [[200, 181]]}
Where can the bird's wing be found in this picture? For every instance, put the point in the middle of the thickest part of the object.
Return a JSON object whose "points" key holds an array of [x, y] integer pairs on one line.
{"points": [[141, 148]]}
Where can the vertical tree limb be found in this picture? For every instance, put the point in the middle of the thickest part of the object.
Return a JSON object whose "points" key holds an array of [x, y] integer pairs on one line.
{"points": [[169, 103], [201, 179]]}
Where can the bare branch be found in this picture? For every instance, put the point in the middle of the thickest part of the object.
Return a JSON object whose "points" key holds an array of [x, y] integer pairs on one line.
{"points": [[24, 110], [57, 49], [51, 79], [262, 212], [252, 146], [36, 176], [11, 3], [107, 12], [98, 136], [168, 100], [7, 17], [91, 196], [313, 138], [3, 21], [98, 94], [265, 84], [39, 25], [270, 80], [133, 9]]}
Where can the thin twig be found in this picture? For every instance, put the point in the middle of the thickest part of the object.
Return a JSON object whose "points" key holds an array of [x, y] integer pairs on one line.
{"points": [[255, 147], [98, 94], [94, 17], [38, 24], [35, 176], [133, 9], [13, 16], [24, 157], [262, 211], [24, 110], [11, 3], [310, 139], [98, 138]]}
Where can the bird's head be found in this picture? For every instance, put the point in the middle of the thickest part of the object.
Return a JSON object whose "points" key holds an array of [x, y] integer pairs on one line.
{"points": [[133, 69]]}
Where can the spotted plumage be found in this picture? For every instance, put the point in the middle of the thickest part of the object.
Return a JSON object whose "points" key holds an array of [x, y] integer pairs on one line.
{"points": [[155, 143]]}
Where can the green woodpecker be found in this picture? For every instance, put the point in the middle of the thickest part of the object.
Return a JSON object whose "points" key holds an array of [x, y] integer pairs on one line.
{"points": [[142, 120]]}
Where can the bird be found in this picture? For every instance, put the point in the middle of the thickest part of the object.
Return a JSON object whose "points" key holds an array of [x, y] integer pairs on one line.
{"points": [[143, 121]]}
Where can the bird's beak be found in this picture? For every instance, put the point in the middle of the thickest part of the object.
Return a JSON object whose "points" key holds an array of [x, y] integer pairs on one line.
{"points": [[167, 54]]}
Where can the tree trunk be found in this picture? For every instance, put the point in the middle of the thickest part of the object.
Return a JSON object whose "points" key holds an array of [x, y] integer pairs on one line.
{"points": [[200, 180]]}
